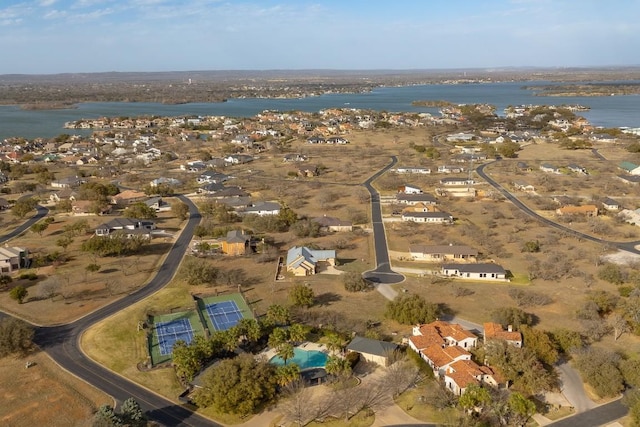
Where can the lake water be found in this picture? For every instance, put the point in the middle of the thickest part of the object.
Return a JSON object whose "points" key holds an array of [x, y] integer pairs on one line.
{"points": [[608, 111]]}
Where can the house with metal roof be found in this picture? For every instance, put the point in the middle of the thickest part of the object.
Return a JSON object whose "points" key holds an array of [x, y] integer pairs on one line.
{"points": [[303, 261]]}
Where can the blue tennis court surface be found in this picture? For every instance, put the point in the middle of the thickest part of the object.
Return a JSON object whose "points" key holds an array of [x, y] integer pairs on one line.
{"points": [[224, 315], [172, 331]]}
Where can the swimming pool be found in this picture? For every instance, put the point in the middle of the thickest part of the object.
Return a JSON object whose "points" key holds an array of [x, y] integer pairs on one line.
{"points": [[305, 359]]}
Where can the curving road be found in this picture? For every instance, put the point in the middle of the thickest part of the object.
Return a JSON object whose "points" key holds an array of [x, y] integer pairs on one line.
{"points": [[382, 274], [41, 212], [626, 246], [62, 343]]}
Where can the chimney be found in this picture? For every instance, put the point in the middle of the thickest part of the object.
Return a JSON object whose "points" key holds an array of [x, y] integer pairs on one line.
{"points": [[510, 328]]}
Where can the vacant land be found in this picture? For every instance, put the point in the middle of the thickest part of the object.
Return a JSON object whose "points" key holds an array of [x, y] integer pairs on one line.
{"points": [[45, 395]]}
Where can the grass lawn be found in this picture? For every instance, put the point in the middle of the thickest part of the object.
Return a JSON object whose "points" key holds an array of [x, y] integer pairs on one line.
{"points": [[408, 402]]}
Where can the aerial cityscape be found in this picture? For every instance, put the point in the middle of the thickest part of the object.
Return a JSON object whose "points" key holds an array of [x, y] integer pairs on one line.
{"points": [[286, 213]]}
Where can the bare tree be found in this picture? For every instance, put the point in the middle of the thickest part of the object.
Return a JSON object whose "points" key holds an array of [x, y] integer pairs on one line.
{"points": [[399, 376], [49, 287], [298, 406], [618, 325]]}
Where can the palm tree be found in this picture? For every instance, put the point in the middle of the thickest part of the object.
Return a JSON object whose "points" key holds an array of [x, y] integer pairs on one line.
{"points": [[286, 352], [287, 374], [335, 343], [297, 333], [278, 315], [337, 366], [278, 337], [250, 328]]}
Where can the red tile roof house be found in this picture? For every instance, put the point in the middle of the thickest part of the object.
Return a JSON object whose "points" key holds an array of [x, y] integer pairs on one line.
{"points": [[495, 331], [444, 346], [440, 344], [459, 375]]}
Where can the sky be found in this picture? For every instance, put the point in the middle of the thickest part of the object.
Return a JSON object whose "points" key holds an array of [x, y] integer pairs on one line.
{"points": [[76, 36]]}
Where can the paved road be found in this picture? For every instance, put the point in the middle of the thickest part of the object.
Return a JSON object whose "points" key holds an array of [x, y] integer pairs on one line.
{"points": [[41, 212], [62, 344], [596, 417], [626, 246], [382, 273]]}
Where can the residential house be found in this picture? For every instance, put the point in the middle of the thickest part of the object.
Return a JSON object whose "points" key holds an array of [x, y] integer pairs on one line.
{"points": [[315, 140], [329, 223], [549, 168], [376, 351], [4, 204], [413, 198], [428, 217], [263, 208], [238, 159], [128, 197], [172, 182], [337, 140], [450, 169], [303, 261], [457, 181], [88, 207], [130, 226], [462, 373], [523, 167], [64, 194], [157, 204], [441, 343], [212, 176], [68, 182], [416, 170], [295, 157], [460, 137], [13, 258], [211, 188], [577, 169], [194, 166], [610, 205], [236, 243], [523, 186], [307, 171], [631, 217], [630, 179], [630, 168], [409, 189], [495, 331], [440, 253], [584, 210], [481, 271]]}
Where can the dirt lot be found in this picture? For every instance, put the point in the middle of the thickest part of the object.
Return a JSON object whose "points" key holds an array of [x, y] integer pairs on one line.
{"points": [[45, 395]]}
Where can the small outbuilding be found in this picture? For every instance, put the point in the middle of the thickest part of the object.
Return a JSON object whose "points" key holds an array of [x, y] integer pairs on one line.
{"points": [[371, 350]]}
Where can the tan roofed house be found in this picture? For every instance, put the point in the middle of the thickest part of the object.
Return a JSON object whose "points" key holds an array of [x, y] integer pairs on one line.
{"points": [[128, 197], [587, 210], [438, 253]]}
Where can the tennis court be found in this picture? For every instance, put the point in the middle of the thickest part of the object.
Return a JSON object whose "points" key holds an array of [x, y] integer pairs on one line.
{"points": [[169, 328], [224, 312], [172, 331], [224, 315]]}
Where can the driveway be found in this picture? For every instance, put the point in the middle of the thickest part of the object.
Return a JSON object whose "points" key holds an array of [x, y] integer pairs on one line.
{"points": [[573, 389]]}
